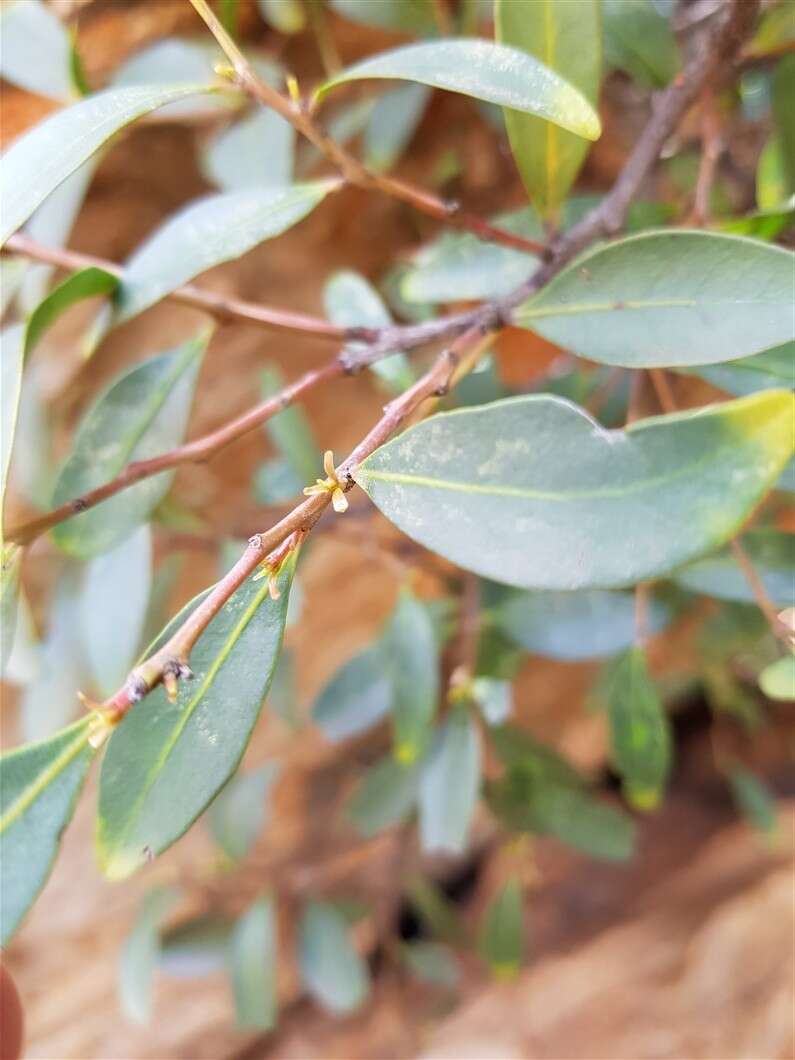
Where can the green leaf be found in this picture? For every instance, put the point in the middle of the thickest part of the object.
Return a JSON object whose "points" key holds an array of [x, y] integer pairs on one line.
{"points": [[196, 947], [638, 40], [113, 604], [486, 71], [39, 785], [239, 812], [9, 600], [450, 785], [142, 414], [88, 283], [754, 801], [404, 16], [410, 657], [668, 298], [357, 697], [770, 370], [384, 797], [773, 556], [431, 962], [439, 915], [640, 733], [253, 966], [213, 230], [35, 52], [290, 431], [502, 931], [601, 508], [166, 762], [43, 158], [176, 61], [772, 183], [332, 970], [574, 626], [275, 482], [140, 953], [777, 680], [351, 301], [286, 16], [783, 90], [393, 121], [494, 697], [566, 36], [256, 151], [12, 358]]}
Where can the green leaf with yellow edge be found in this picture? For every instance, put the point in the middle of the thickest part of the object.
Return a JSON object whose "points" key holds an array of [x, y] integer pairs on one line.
{"points": [[487, 71], [502, 931], [410, 655], [43, 158], [668, 298], [39, 785], [166, 762], [530, 491], [566, 36]]}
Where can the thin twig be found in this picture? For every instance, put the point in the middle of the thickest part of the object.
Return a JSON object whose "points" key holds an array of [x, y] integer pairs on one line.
{"points": [[760, 593], [711, 147]]}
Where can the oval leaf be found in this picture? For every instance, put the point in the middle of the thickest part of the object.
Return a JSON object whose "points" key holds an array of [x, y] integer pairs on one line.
{"points": [[140, 954], [255, 151], [253, 966], [410, 657], [384, 797], [484, 70], [531, 492], [166, 762], [43, 158], [237, 816], [142, 414], [39, 785], [502, 933], [450, 785], [358, 696], [332, 970], [35, 52], [668, 298]]}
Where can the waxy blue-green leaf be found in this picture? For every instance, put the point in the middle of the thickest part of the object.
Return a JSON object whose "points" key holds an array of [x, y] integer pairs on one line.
{"points": [[176, 61], [43, 158], [195, 948], [777, 680], [566, 36], [139, 955], [12, 359], [238, 813], [384, 797], [253, 966], [501, 940], [215, 229], [256, 151], [11, 561], [404, 16], [39, 784], [166, 762], [640, 733], [772, 554], [142, 414], [668, 298], [88, 283], [393, 121], [35, 52], [411, 661], [332, 970], [765, 371], [754, 800], [573, 626], [486, 71], [356, 697], [639, 40], [450, 785], [531, 492]]}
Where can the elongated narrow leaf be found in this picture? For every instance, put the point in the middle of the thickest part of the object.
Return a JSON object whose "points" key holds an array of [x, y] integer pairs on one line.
{"points": [[253, 966], [140, 953], [176, 61], [256, 151], [669, 298], [487, 71], [784, 114], [88, 283], [12, 357], [392, 124], [639, 40], [450, 785], [773, 556], [166, 762], [502, 931], [238, 814], [35, 52], [332, 970], [640, 735], [40, 160], [403, 16], [532, 492], [142, 414], [358, 696], [384, 797], [566, 36], [39, 785], [412, 665], [572, 626]]}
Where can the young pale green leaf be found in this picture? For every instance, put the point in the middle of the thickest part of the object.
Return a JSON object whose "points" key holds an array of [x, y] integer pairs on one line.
{"points": [[332, 970], [290, 431], [238, 813], [531, 492], [286, 16], [142, 414], [502, 931], [753, 799], [450, 785], [432, 963], [574, 626], [206, 233], [494, 697], [404, 16], [773, 556], [384, 797], [12, 359], [783, 87], [668, 298], [351, 301], [196, 947], [487, 71], [640, 733], [393, 121], [43, 158], [777, 680], [113, 604], [566, 36], [357, 697], [253, 966], [638, 40], [256, 151], [35, 52], [139, 955], [770, 370], [39, 784], [166, 762], [88, 283], [411, 660], [9, 600]]}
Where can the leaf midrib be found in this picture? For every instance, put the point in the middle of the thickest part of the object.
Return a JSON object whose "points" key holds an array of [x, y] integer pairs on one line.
{"points": [[531, 313]]}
